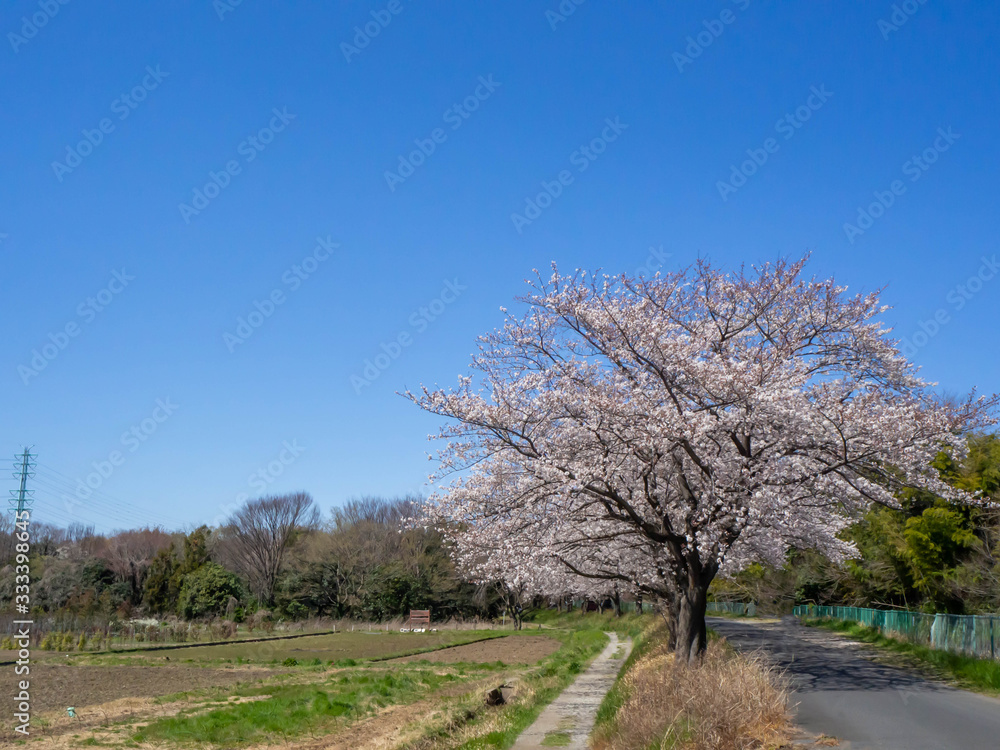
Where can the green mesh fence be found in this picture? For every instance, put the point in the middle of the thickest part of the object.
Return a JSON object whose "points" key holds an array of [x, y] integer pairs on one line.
{"points": [[971, 635], [734, 608]]}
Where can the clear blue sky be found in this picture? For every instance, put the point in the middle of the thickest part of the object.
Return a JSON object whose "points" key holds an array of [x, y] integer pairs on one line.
{"points": [[197, 87]]}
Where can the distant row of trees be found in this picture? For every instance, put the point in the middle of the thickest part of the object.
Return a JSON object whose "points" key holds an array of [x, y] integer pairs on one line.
{"points": [[364, 560]]}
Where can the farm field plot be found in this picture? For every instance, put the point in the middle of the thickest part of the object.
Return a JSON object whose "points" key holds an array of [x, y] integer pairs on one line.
{"points": [[82, 685], [333, 647], [525, 649], [360, 690]]}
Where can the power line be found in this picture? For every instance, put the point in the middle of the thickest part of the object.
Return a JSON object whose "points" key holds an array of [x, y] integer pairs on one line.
{"points": [[56, 506], [70, 486], [60, 484]]}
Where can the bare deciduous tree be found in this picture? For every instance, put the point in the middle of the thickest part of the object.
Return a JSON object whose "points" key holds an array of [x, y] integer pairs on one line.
{"points": [[256, 537], [129, 554]]}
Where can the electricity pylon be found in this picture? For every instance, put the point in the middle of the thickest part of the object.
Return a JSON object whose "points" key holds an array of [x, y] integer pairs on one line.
{"points": [[22, 498]]}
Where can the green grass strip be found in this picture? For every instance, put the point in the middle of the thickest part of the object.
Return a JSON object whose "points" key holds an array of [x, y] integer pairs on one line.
{"points": [[553, 675], [294, 710], [982, 675]]}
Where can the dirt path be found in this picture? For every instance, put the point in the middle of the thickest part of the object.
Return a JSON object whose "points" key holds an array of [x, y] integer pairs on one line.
{"points": [[569, 719]]}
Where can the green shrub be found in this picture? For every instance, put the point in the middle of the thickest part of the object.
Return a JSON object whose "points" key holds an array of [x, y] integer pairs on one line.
{"points": [[206, 591]]}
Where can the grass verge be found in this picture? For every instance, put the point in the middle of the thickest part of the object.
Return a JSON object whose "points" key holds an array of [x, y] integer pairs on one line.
{"points": [[615, 698], [727, 701], [629, 624], [470, 725], [982, 675]]}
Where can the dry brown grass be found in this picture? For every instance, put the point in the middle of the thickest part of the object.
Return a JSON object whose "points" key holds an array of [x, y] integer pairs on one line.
{"points": [[729, 701]]}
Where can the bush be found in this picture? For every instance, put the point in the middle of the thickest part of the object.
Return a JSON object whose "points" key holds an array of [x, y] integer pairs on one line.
{"points": [[178, 633], [223, 630], [207, 590], [261, 619]]}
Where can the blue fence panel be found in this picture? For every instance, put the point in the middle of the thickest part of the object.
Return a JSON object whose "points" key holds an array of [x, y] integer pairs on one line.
{"points": [[969, 635]]}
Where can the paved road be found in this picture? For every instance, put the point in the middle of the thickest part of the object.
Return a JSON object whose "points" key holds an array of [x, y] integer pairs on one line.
{"points": [[842, 693], [569, 719]]}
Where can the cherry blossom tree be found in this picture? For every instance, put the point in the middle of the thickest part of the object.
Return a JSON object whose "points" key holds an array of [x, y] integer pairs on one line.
{"points": [[657, 432]]}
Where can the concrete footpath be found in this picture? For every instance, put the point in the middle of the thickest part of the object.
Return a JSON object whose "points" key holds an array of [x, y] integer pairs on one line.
{"points": [[572, 714]]}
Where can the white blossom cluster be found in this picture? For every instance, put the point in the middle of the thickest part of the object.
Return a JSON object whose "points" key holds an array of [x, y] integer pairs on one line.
{"points": [[651, 433]]}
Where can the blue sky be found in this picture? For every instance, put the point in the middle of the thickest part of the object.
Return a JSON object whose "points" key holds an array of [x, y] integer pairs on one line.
{"points": [[135, 269]]}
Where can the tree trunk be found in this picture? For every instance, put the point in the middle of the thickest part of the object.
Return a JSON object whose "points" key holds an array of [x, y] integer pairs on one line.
{"points": [[692, 635], [690, 607]]}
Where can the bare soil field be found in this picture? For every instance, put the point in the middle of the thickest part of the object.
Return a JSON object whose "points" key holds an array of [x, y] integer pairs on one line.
{"points": [[58, 686], [331, 647], [525, 649], [106, 689]]}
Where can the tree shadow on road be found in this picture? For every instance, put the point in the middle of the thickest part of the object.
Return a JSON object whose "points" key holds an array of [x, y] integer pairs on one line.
{"points": [[813, 660]]}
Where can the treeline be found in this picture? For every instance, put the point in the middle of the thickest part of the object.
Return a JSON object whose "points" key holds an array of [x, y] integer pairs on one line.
{"points": [[929, 554], [275, 554]]}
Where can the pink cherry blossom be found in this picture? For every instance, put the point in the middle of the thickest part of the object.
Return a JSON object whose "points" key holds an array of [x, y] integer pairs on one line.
{"points": [[651, 434]]}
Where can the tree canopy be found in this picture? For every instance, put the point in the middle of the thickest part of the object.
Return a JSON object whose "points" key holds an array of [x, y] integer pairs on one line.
{"points": [[659, 431]]}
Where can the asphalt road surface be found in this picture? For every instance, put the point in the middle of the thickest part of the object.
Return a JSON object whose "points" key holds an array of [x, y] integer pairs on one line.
{"points": [[840, 692]]}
